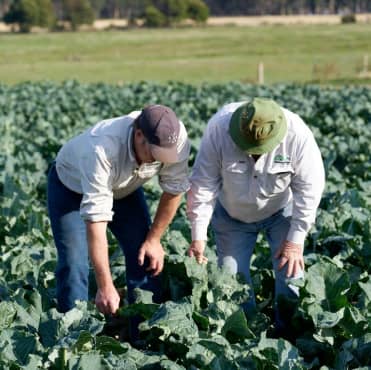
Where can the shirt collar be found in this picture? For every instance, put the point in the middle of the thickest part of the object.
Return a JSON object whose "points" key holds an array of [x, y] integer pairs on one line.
{"points": [[130, 144]]}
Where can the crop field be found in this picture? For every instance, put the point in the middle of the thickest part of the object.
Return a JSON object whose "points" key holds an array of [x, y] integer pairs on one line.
{"points": [[292, 53], [200, 324]]}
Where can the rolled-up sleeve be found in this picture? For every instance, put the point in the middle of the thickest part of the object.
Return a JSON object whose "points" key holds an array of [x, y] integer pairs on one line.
{"points": [[96, 183], [307, 186], [173, 178]]}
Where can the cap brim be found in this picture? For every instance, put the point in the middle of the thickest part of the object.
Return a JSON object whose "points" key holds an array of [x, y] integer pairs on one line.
{"points": [[234, 128], [164, 155], [250, 148]]}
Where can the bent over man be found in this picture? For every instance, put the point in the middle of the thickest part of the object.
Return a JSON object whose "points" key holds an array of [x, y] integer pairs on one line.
{"points": [[96, 182], [258, 169]]}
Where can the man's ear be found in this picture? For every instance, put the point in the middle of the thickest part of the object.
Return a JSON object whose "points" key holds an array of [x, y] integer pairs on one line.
{"points": [[138, 133]]}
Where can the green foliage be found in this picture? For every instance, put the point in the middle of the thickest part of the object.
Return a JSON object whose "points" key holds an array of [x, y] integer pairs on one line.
{"points": [[348, 18], [23, 12], [153, 17], [28, 13], [97, 6], [78, 12], [170, 12], [197, 10], [46, 16], [200, 324], [174, 10]]}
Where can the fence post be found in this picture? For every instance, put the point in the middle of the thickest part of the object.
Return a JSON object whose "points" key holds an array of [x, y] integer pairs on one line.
{"points": [[261, 73], [365, 63]]}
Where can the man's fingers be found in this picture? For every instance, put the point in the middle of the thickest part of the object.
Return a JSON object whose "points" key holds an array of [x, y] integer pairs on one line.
{"points": [[282, 263], [153, 264], [102, 308], [290, 267], [298, 269], [295, 267], [112, 308], [278, 253], [157, 269], [190, 252], [202, 260], [302, 264], [141, 255], [99, 307], [160, 267], [291, 256]]}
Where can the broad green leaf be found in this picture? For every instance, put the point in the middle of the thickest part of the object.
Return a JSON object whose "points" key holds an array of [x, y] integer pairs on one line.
{"points": [[106, 344], [354, 323], [235, 327], [324, 319], [17, 345], [328, 284], [355, 353], [173, 319], [55, 326], [84, 343], [205, 351], [277, 353], [366, 288], [7, 314], [86, 361], [143, 305]]}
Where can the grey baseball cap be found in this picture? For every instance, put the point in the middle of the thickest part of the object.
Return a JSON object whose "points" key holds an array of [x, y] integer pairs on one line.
{"points": [[161, 128]]}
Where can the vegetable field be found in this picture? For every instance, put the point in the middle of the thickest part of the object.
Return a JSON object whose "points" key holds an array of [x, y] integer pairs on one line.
{"points": [[200, 324]]}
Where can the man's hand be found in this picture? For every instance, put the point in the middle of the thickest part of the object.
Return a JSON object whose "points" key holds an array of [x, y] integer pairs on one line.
{"points": [[196, 250], [152, 249], [107, 300], [291, 254]]}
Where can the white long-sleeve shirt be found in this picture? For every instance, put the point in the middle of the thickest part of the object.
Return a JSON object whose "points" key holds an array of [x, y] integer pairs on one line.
{"points": [[100, 164], [252, 191]]}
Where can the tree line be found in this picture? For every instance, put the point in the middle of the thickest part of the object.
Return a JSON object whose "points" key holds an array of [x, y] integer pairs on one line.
{"points": [[285, 7], [55, 14], [70, 14]]}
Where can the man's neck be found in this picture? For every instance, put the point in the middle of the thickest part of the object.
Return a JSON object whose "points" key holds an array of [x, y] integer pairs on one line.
{"points": [[135, 149], [255, 157]]}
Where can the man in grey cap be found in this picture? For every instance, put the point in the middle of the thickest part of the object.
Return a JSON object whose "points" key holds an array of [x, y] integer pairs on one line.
{"points": [[96, 182], [258, 169]]}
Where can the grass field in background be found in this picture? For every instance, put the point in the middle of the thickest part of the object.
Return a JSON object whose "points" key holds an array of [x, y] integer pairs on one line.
{"points": [[301, 53]]}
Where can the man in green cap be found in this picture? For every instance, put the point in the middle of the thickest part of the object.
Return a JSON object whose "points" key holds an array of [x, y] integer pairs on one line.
{"points": [[258, 169]]}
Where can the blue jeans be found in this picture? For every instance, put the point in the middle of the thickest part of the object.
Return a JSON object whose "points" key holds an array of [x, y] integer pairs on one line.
{"points": [[130, 225], [235, 242]]}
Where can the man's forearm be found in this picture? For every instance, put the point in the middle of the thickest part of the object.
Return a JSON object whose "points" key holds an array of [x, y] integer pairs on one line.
{"points": [[98, 251], [166, 210]]}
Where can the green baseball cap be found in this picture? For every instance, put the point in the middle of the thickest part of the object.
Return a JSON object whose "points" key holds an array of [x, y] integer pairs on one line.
{"points": [[257, 127]]}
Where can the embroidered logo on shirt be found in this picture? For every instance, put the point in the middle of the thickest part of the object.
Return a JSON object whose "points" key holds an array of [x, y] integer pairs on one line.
{"points": [[279, 158]]}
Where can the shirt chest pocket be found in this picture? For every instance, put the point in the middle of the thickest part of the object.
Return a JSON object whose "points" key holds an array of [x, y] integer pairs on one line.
{"points": [[276, 180], [235, 174], [235, 167]]}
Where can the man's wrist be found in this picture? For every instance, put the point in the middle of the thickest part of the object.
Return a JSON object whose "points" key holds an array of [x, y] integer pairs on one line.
{"points": [[296, 236], [152, 238], [199, 232], [104, 281]]}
